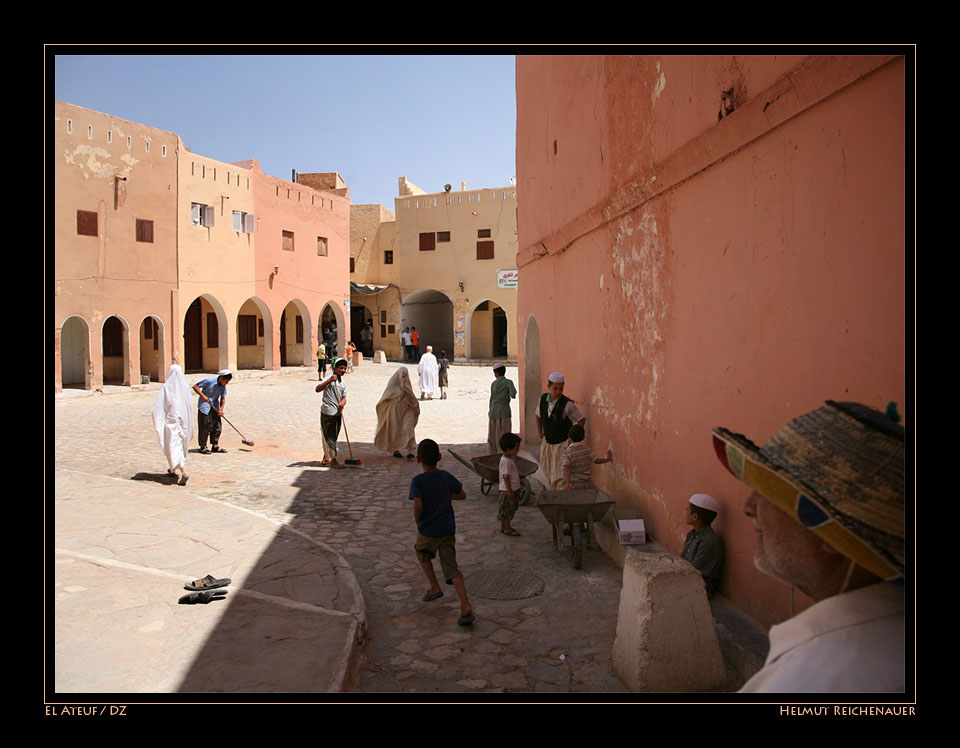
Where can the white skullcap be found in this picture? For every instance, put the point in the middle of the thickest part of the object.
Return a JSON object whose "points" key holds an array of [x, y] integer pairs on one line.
{"points": [[224, 373], [429, 347], [705, 502], [556, 377]]}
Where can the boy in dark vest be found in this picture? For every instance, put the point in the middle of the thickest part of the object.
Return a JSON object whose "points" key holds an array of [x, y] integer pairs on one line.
{"points": [[556, 413]]}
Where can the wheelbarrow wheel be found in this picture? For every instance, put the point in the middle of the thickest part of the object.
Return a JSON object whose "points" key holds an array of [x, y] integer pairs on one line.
{"points": [[526, 491], [577, 546]]}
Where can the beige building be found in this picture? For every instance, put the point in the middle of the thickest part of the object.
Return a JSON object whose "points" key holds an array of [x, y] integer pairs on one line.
{"points": [[163, 254], [115, 232], [443, 263]]}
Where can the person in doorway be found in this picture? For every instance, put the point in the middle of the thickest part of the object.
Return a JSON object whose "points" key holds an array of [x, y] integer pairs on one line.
{"points": [[213, 398], [432, 492], [828, 505], [174, 421], [502, 390], [444, 365], [703, 547], [556, 413], [415, 342], [321, 359], [397, 415], [405, 338], [348, 350], [429, 371], [331, 410]]}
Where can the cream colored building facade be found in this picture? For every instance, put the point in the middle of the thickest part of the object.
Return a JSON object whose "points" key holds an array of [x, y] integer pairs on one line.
{"points": [[444, 263]]}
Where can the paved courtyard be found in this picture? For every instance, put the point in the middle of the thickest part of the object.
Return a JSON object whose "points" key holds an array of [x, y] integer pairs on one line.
{"points": [[326, 590]]}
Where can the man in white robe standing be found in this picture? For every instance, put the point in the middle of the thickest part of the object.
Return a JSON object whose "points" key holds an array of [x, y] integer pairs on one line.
{"points": [[429, 371], [175, 422]]}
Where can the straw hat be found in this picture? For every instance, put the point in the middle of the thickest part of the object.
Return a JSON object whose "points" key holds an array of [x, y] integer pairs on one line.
{"points": [[839, 471]]}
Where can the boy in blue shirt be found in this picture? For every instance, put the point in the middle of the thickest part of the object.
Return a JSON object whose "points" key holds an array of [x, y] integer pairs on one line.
{"points": [[213, 397], [432, 493]]}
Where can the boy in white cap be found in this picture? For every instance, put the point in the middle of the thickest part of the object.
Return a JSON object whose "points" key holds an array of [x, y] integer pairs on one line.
{"points": [[556, 413], [703, 547], [213, 396]]}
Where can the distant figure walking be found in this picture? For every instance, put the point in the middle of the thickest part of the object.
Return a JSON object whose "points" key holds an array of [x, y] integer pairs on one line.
{"points": [[429, 371]]}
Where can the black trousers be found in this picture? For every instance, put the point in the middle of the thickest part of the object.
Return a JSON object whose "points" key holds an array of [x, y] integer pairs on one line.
{"points": [[209, 425]]}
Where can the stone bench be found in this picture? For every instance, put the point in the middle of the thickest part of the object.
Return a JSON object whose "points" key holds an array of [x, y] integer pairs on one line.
{"points": [[666, 639]]}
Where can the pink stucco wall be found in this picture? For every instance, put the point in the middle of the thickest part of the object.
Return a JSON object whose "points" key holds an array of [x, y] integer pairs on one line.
{"points": [[733, 272], [305, 278]]}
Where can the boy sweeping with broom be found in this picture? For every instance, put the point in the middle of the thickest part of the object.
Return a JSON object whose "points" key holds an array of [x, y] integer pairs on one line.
{"points": [[334, 401]]}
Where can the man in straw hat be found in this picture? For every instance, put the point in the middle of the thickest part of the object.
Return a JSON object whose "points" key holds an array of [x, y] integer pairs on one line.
{"points": [[828, 507]]}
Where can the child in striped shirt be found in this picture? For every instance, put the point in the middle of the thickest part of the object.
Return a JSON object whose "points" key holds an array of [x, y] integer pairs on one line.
{"points": [[577, 459]]}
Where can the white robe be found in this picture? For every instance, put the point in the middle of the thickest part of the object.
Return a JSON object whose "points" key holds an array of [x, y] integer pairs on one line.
{"points": [[174, 417], [397, 414], [429, 372]]}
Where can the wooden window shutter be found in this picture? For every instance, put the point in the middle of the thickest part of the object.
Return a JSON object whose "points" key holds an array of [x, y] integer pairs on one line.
{"points": [[484, 250], [428, 242], [87, 223], [249, 223]]}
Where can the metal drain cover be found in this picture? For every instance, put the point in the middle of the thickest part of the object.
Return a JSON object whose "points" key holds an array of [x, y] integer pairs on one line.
{"points": [[504, 583]]}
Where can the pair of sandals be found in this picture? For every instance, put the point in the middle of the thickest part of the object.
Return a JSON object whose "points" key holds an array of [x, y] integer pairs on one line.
{"points": [[206, 451], [204, 590], [400, 456]]}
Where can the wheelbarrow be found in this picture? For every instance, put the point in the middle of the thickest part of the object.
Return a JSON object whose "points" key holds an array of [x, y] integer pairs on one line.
{"points": [[581, 507], [488, 468]]}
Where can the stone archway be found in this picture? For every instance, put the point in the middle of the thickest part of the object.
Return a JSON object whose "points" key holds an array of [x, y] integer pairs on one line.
{"points": [[254, 335], [151, 348], [487, 331], [532, 379], [115, 349], [75, 353], [431, 312], [332, 318], [295, 335], [205, 335]]}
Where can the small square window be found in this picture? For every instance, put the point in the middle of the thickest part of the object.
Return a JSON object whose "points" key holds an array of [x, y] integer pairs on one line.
{"points": [[144, 231], [288, 241], [87, 223], [388, 257], [202, 215], [428, 242], [321, 246], [443, 236], [483, 233]]}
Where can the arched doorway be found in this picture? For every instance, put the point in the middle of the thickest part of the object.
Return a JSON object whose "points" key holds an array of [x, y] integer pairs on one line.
{"points": [[361, 328], [254, 336], [151, 348], [116, 347], [331, 325], [295, 334], [205, 335], [532, 379], [74, 353], [431, 312], [488, 331]]}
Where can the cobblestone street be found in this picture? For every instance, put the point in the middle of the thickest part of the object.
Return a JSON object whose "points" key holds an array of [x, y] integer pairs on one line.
{"points": [[559, 640]]}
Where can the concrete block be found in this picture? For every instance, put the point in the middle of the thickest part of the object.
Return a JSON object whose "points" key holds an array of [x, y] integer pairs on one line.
{"points": [[666, 640], [357, 358], [379, 357]]}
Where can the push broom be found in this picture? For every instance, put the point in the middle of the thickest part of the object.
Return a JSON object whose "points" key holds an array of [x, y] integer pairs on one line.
{"points": [[352, 462], [242, 437]]}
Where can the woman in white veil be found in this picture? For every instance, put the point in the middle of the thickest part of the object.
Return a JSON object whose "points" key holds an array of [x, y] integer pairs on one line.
{"points": [[175, 421], [397, 414]]}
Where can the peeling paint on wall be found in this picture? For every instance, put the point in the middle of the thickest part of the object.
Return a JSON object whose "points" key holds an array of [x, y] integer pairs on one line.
{"points": [[93, 161], [658, 86]]}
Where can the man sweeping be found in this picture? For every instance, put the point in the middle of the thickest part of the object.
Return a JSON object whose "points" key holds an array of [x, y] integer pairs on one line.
{"points": [[334, 401]]}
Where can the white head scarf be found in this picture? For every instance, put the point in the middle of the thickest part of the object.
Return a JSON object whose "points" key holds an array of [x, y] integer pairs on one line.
{"points": [[174, 417]]}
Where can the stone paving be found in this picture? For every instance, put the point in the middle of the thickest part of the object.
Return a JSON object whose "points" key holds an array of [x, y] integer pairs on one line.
{"points": [[301, 523]]}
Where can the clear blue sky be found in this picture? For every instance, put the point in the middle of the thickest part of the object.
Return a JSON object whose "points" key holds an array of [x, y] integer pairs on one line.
{"points": [[433, 119]]}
